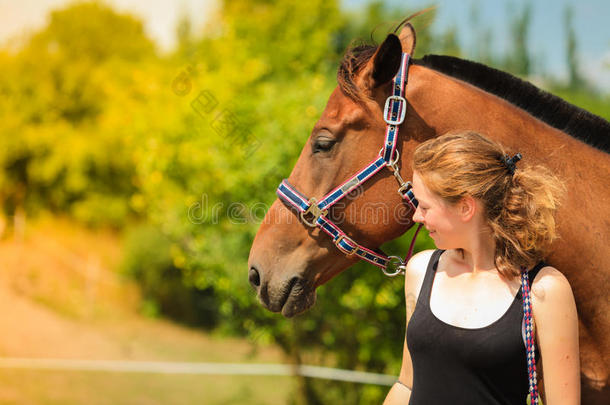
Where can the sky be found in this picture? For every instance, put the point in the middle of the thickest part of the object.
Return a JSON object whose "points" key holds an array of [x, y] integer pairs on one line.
{"points": [[547, 31], [159, 16], [547, 36]]}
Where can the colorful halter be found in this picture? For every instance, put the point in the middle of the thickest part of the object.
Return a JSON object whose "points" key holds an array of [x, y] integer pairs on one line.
{"points": [[314, 213]]}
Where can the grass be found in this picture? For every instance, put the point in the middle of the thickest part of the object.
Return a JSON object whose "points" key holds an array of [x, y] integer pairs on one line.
{"points": [[101, 388], [67, 301]]}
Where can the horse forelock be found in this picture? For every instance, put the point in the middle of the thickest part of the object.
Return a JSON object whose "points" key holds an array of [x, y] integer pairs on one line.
{"points": [[353, 61]]}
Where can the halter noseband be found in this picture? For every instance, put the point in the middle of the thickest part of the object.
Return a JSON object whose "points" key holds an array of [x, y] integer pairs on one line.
{"points": [[314, 213]]}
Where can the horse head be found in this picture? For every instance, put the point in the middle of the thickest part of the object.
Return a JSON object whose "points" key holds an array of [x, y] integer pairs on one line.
{"points": [[289, 259]]}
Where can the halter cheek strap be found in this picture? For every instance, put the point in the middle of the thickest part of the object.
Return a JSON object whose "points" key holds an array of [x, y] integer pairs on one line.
{"points": [[315, 214]]}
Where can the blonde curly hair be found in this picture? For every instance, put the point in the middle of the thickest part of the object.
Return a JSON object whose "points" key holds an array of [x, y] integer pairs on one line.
{"points": [[519, 208]]}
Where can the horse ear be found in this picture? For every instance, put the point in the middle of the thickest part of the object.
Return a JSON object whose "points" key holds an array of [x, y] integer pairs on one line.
{"points": [[408, 39], [386, 62]]}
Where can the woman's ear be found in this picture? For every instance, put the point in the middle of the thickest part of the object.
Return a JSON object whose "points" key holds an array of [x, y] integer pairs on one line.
{"points": [[467, 207]]}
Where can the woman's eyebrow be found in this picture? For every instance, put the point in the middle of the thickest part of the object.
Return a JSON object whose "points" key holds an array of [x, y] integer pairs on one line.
{"points": [[423, 201]]}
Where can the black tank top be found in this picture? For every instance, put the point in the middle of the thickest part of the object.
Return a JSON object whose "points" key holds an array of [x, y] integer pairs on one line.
{"points": [[455, 365]]}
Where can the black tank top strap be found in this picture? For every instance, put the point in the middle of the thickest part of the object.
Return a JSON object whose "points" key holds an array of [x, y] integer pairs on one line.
{"points": [[426, 287], [533, 272]]}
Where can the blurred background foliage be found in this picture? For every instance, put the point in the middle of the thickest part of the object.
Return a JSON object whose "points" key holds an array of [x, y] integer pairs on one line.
{"points": [[182, 152]]}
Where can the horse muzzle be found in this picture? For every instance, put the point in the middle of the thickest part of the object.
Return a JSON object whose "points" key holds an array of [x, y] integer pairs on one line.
{"points": [[290, 296]]}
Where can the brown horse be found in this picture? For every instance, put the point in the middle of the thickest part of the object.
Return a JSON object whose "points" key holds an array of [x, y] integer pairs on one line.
{"points": [[289, 260]]}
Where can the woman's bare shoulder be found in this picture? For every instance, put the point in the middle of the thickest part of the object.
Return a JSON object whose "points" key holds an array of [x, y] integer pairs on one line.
{"points": [[551, 287], [415, 272]]}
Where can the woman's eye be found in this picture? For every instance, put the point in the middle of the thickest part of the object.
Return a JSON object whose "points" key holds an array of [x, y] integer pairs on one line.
{"points": [[323, 145]]}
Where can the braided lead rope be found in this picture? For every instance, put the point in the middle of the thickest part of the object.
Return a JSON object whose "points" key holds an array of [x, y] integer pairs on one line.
{"points": [[529, 338]]}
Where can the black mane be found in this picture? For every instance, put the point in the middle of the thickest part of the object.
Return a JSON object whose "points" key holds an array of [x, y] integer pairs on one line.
{"points": [[551, 109]]}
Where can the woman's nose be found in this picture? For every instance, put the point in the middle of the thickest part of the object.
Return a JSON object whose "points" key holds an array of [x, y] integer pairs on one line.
{"points": [[417, 217]]}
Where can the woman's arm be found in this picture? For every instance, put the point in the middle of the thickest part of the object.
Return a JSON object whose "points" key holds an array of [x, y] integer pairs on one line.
{"points": [[556, 322], [400, 393]]}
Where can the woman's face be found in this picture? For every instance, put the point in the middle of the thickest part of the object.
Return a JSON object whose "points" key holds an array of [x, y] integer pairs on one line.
{"points": [[441, 219]]}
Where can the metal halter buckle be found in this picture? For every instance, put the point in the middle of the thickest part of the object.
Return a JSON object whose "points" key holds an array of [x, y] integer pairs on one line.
{"points": [[406, 186], [342, 237], [403, 110], [313, 210], [394, 267]]}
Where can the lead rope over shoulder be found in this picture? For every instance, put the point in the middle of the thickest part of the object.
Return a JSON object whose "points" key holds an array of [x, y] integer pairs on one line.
{"points": [[530, 339]]}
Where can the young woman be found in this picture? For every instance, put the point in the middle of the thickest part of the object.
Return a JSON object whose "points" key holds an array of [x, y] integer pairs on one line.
{"points": [[490, 218]]}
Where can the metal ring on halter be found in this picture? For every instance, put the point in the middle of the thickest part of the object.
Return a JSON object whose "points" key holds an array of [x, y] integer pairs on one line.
{"points": [[391, 163], [394, 267]]}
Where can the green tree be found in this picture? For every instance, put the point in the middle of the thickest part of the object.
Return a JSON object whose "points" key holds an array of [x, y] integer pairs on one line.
{"points": [[518, 58], [447, 43], [575, 79], [482, 35], [63, 136]]}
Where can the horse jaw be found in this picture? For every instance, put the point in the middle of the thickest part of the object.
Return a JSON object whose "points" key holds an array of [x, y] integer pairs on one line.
{"points": [[287, 263]]}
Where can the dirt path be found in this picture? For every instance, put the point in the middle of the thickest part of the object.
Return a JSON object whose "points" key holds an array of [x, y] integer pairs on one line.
{"points": [[61, 299]]}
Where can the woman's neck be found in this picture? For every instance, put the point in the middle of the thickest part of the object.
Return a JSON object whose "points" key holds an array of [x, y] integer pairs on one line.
{"points": [[478, 252]]}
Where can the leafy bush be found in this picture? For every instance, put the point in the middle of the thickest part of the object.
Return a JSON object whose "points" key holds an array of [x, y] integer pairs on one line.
{"points": [[148, 260]]}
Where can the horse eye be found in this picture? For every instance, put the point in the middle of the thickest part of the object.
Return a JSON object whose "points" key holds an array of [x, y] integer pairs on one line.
{"points": [[323, 145]]}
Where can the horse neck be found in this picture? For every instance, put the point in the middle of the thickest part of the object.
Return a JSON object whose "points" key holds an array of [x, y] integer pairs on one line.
{"points": [[440, 104], [446, 104]]}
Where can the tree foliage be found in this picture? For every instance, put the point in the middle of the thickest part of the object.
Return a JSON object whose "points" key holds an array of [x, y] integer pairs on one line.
{"points": [[518, 59], [184, 152], [63, 134]]}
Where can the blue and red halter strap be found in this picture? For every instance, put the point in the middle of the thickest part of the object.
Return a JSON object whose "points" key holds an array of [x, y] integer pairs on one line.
{"points": [[314, 213]]}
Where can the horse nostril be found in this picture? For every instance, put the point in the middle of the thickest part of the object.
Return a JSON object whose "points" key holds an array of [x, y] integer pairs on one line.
{"points": [[254, 277]]}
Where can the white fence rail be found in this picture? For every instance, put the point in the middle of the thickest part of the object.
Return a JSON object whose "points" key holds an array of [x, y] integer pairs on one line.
{"points": [[162, 367]]}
